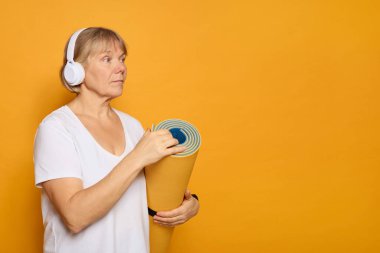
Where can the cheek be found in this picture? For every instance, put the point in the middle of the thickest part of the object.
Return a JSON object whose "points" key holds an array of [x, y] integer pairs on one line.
{"points": [[95, 77]]}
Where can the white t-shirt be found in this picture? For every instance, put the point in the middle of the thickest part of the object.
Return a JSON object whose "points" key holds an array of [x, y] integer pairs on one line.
{"points": [[63, 147]]}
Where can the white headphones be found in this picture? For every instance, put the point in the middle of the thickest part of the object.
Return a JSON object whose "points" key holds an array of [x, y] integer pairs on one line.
{"points": [[73, 71]]}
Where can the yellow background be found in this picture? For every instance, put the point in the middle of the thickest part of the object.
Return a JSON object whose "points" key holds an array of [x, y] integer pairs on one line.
{"points": [[284, 93]]}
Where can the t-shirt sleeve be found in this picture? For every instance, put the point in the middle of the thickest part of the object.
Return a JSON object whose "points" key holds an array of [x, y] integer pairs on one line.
{"points": [[55, 155]]}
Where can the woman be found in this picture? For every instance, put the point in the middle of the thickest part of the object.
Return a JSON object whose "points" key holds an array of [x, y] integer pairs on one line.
{"points": [[89, 158]]}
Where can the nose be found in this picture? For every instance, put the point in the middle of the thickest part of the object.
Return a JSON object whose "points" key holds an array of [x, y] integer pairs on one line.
{"points": [[121, 67]]}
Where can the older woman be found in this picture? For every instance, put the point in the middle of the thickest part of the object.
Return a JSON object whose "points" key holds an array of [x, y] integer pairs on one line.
{"points": [[89, 157]]}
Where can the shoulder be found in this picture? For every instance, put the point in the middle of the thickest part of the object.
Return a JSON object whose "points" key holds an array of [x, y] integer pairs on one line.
{"points": [[57, 121]]}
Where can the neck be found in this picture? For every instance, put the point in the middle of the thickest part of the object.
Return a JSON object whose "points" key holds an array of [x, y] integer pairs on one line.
{"points": [[91, 105]]}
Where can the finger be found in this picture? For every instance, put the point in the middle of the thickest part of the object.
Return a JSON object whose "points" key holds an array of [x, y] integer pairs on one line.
{"points": [[163, 132], [172, 213], [170, 224], [175, 150], [147, 131], [170, 142], [188, 194], [168, 220], [165, 224]]}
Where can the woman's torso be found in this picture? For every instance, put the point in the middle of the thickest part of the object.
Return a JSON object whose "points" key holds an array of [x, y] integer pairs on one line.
{"points": [[125, 227]]}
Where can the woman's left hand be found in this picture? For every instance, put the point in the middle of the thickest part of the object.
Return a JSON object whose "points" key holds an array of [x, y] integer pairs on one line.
{"points": [[188, 209]]}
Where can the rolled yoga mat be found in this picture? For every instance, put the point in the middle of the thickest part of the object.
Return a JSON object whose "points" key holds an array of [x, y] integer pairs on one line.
{"points": [[167, 179]]}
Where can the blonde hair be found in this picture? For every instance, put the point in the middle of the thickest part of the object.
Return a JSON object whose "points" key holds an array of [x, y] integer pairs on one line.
{"points": [[91, 41]]}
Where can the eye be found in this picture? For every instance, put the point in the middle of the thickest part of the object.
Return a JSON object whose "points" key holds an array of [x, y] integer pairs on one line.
{"points": [[106, 59]]}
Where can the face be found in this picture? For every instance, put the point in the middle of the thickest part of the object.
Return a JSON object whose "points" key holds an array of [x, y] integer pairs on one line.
{"points": [[105, 72]]}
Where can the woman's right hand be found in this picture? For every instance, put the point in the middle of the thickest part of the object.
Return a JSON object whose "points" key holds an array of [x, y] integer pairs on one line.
{"points": [[154, 146]]}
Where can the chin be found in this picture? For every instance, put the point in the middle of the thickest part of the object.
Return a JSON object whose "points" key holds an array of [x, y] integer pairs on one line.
{"points": [[116, 92]]}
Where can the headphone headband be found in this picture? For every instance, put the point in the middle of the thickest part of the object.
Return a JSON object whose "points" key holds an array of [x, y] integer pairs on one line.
{"points": [[73, 72], [71, 46]]}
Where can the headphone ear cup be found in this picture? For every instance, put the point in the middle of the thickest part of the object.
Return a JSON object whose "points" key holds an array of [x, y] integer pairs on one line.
{"points": [[73, 73]]}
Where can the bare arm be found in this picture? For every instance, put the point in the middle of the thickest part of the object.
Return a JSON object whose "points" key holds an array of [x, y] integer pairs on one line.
{"points": [[80, 207], [188, 209]]}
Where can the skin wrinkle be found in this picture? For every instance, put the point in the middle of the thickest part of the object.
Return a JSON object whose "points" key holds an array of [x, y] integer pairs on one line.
{"points": [[81, 207]]}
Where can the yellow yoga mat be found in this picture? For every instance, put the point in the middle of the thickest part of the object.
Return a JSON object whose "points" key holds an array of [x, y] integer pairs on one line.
{"points": [[167, 179]]}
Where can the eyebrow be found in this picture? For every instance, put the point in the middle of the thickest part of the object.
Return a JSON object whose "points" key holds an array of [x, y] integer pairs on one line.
{"points": [[109, 51]]}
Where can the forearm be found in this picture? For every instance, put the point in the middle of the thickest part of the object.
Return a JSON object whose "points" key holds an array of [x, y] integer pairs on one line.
{"points": [[90, 204], [80, 207]]}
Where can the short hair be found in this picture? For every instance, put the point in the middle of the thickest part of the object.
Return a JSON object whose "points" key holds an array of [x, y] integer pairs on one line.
{"points": [[90, 41]]}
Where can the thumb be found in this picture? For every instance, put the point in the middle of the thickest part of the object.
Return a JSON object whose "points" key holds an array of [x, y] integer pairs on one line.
{"points": [[187, 194]]}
